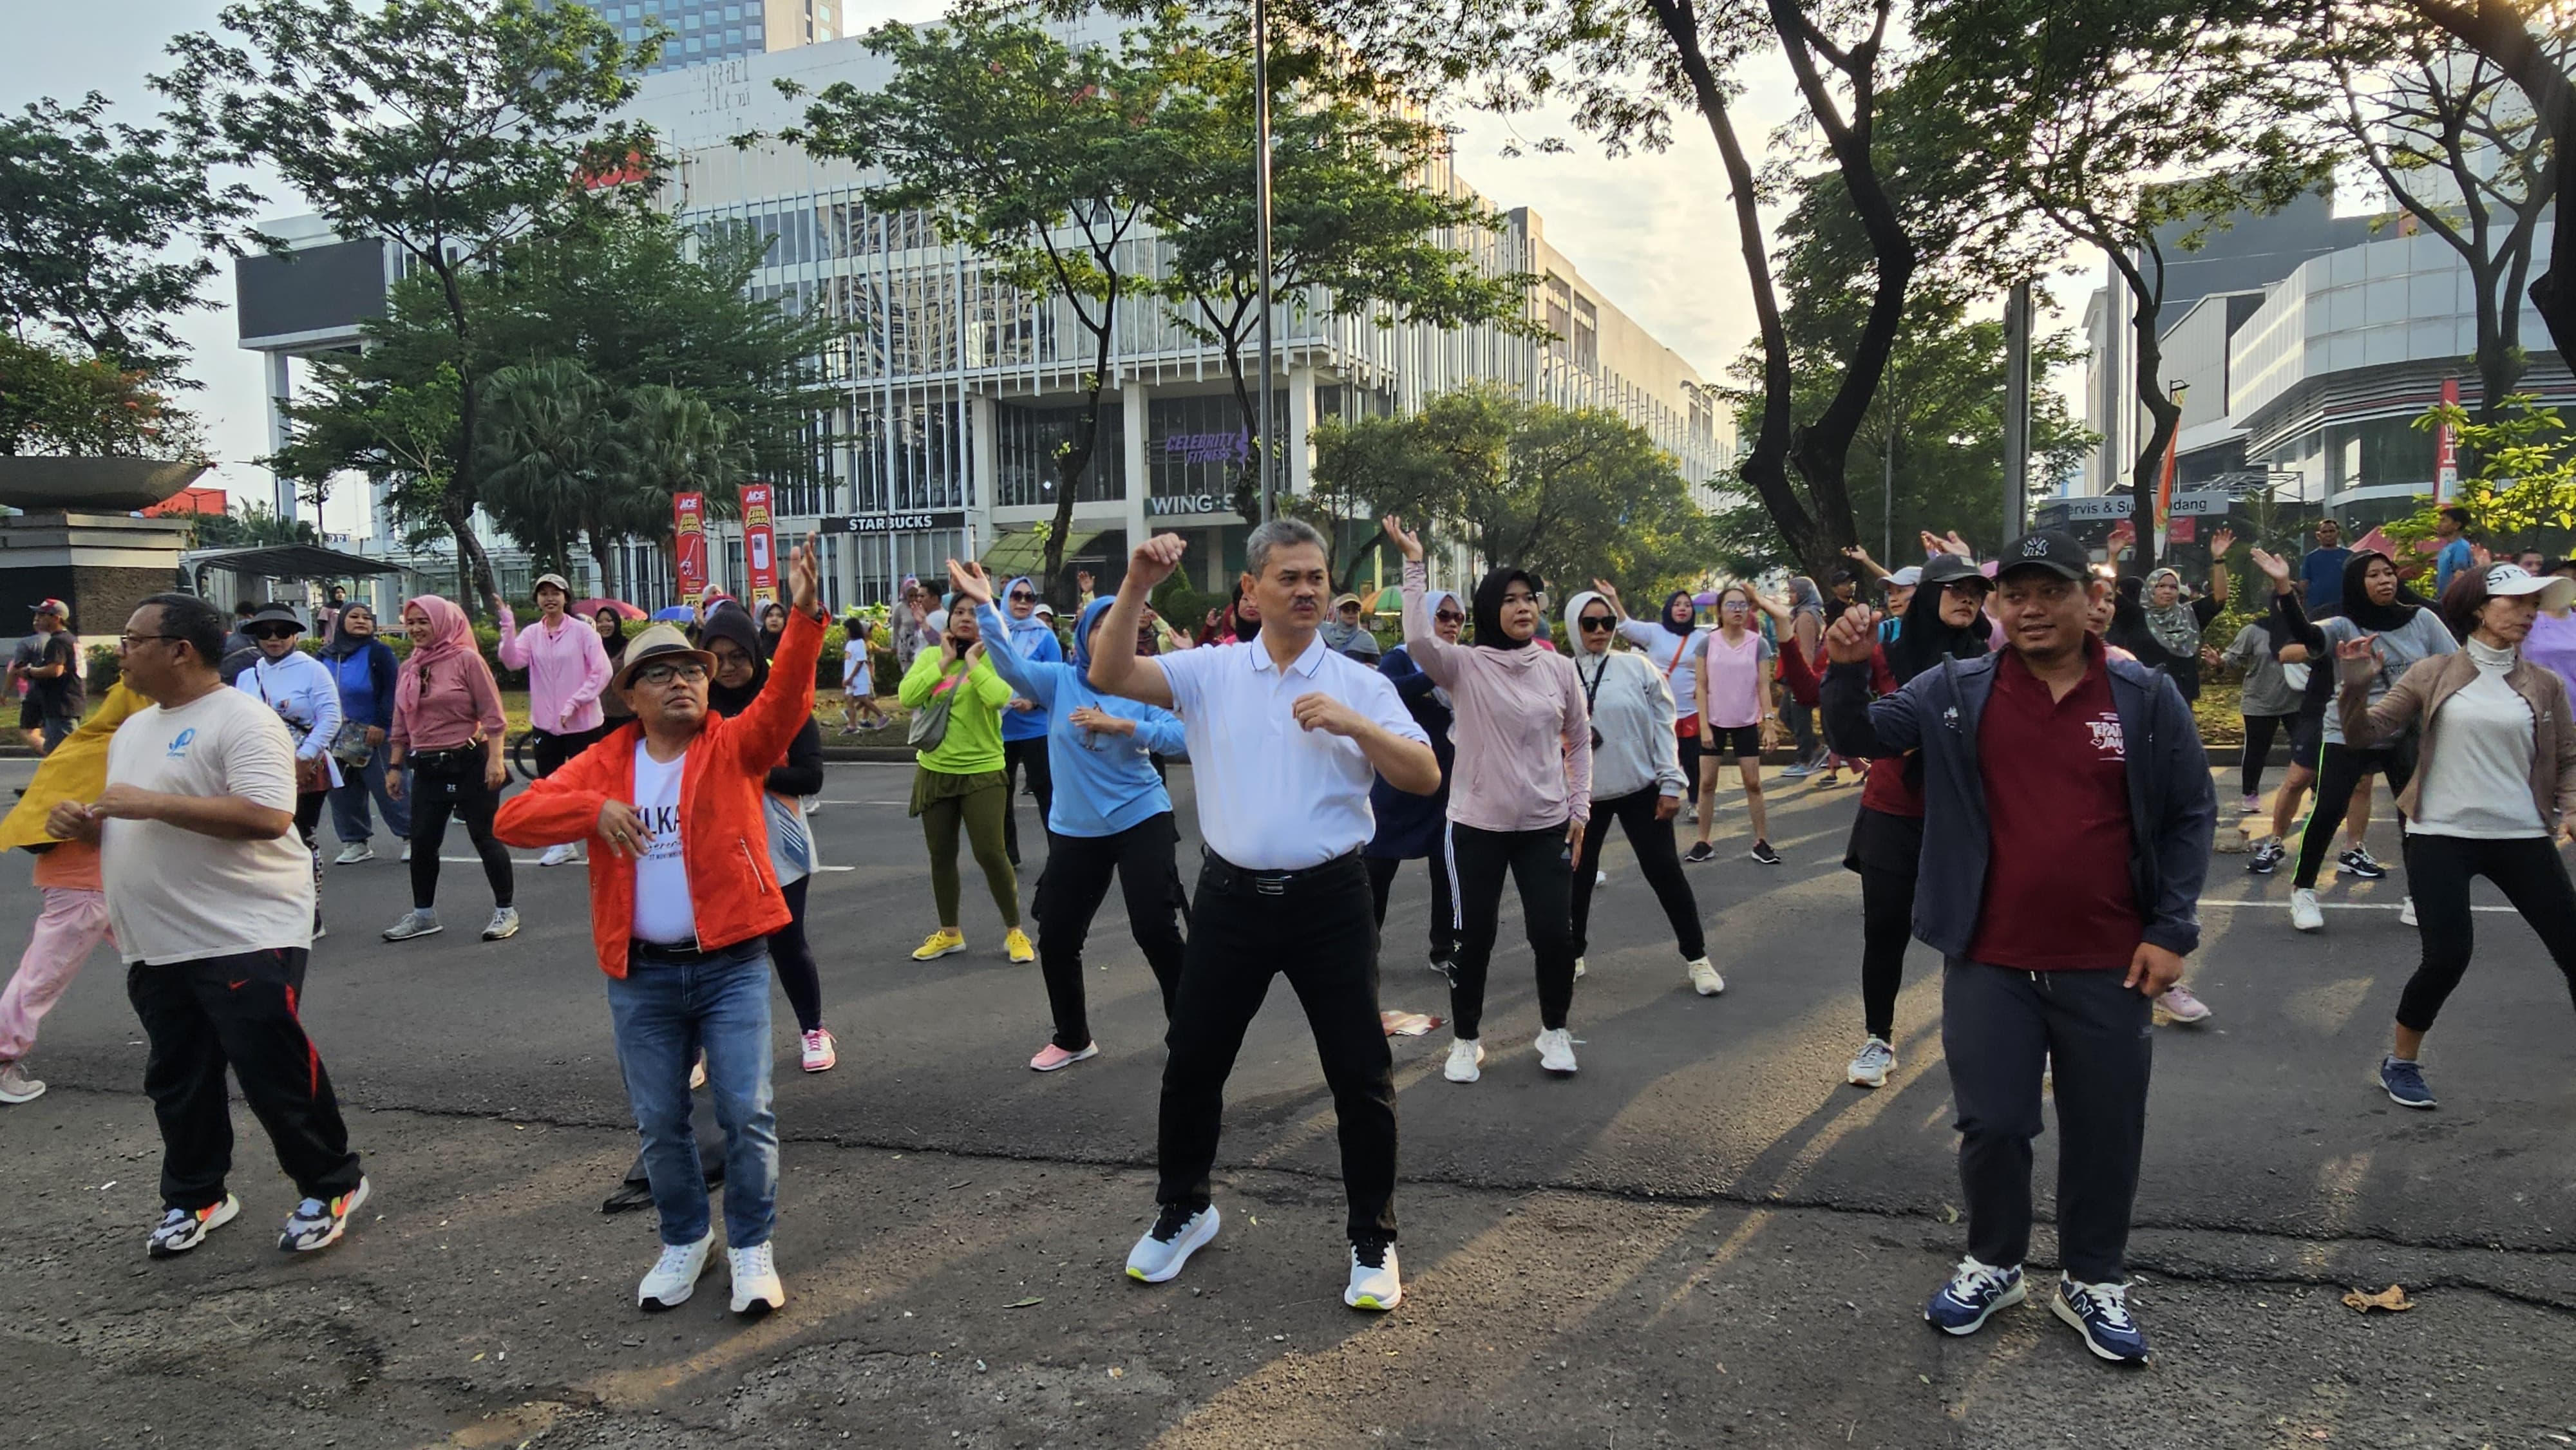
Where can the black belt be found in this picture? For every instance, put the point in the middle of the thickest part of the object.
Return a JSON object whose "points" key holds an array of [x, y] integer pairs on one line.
{"points": [[674, 954], [1224, 875]]}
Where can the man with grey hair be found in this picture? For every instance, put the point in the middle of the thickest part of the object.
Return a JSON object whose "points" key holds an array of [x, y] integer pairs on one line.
{"points": [[1285, 738]]}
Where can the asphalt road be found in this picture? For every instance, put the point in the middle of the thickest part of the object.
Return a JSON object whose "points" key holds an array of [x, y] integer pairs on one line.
{"points": [[1703, 1238]]}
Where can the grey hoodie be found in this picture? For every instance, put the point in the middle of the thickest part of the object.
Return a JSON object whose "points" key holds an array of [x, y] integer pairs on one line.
{"points": [[1632, 715]]}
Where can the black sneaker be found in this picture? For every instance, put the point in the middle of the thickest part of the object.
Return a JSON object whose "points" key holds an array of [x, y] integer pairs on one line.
{"points": [[1701, 851], [2359, 862], [2266, 859], [1763, 853]]}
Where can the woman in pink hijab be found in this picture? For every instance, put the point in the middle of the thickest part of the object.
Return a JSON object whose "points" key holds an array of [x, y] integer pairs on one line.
{"points": [[449, 731]]}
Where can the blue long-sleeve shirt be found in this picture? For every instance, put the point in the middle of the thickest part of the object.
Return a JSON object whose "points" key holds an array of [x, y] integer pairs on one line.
{"points": [[1035, 639], [1104, 784]]}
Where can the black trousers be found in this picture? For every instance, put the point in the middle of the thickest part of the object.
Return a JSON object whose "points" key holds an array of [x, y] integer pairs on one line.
{"points": [[2259, 730], [792, 957], [1537, 863], [1886, 851], [2339, 769], [1070, 890], [2527, 869], [1318, 934], [240, 1010], [1444, 912], [450, 783], [308, 829], [1030, 755], [1999, 1029], [552, 750], [1657, 860], [1689, 752]]}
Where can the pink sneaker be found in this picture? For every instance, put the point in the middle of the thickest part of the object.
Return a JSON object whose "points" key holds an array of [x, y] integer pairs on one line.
{"points": [[2179, 1005], [821, 1053], [1051, 1057]]}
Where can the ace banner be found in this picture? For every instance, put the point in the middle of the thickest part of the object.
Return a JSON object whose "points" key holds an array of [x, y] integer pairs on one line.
{"points": [[759, 543], [689, 545]]}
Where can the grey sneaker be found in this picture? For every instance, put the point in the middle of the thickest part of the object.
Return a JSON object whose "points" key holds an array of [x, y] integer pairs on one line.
{"points": [[414, 923], [1869, 1066], [318, 1223], [16, 1086], [504, 925], [353, 853]]}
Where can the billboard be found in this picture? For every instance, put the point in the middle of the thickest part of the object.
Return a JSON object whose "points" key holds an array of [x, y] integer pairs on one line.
{"points": [[759, 543], [689, 545]]}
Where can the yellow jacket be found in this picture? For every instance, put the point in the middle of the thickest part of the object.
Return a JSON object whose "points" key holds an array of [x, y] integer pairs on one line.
{"points": [[76, 771]]}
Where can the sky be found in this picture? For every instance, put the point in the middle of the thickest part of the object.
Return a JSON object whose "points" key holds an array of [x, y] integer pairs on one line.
{"points": [[1655, 232]]}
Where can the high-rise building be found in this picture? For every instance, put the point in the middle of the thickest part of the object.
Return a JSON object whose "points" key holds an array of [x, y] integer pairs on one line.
{"points": [[709, 30]]}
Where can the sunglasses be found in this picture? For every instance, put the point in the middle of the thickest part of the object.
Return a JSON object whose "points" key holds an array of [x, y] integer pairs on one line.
{"points": [[1022, 596], [276, 631], [1596, 624], [1450, 616]]}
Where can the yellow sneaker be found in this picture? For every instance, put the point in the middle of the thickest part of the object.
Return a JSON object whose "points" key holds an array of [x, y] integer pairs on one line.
{"points": [[1017, 944], [940, 943]]}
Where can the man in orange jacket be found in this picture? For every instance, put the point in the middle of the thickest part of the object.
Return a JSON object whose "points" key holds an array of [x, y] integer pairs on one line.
{"points": [[682, 903]]}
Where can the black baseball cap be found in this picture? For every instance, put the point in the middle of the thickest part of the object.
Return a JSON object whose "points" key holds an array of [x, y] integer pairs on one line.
{"points": [[1943, 569], [2055, 550]]}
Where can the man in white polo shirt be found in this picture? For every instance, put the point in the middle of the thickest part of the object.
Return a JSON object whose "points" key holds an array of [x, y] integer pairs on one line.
{"points": [[1285, 737]]}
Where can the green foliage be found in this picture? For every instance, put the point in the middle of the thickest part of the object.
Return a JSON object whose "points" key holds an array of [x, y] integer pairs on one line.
{"points": [[1566, 493], [2522, 477], [88, 212], [252, 523], [55, 403]]}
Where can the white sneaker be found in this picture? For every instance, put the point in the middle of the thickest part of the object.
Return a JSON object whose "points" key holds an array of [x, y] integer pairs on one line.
{"points": [[821, 1053], [756, 1289], [675, 1275], [415, 922], [16, 1087], [1376, 1283], [1177, 1233], [2406, 912], [1869, 1066], [2304, 915], [353, 853], [1556, 1050], [1704, 978], [1578, 969], [406, 852], [555, 856], [504, 924], [1466, 1060]]}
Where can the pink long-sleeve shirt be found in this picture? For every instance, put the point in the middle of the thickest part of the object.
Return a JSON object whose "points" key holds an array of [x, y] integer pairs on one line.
{"points": [[1524, 737], [566, 671]]}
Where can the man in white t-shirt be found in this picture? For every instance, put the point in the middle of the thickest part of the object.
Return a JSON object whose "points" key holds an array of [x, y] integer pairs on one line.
{"points": [[683, 899], [1285, 738], [210, 897]]}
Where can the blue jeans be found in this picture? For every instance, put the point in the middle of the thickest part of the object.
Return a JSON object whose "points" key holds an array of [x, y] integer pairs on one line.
{"points": [[663, 1013], [349, 803]]}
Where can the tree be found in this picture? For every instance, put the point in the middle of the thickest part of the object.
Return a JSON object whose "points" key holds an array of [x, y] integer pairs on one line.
{"points": [[247, 524], [449, 128], [2132, 128], [53, 402], [674, 442], [2523, 477], [548, 458], [88, 211], [1355, 231], [1024, 149], [1423, 465]]}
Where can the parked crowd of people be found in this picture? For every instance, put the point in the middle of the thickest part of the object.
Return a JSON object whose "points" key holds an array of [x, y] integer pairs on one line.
{"points": [[2036, 805]]}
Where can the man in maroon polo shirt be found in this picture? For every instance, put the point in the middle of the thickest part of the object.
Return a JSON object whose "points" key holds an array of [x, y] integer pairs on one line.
{"points": [[2068, 810]]}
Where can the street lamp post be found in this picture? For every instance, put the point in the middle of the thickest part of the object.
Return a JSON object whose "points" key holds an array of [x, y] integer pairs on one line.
{"points": [[1262, 440]]}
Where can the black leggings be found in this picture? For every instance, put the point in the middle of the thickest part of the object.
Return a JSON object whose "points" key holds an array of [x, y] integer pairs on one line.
{"points": [[2531, 876], [1444, 912], [1886, 928], [2340, 769], [552, 750], [1657, 861], [1689, 752], [1030, 755], [794, 959], [308, 827], [1536, 861], [445, 784], [2259, 730], [1070, 891]]}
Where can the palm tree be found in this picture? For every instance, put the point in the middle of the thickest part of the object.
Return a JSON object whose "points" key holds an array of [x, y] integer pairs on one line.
{"points": [[670, 441], [547, 454]]}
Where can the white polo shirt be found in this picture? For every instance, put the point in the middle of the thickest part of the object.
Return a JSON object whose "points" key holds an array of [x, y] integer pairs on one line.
{"points": [[1273, 795]]}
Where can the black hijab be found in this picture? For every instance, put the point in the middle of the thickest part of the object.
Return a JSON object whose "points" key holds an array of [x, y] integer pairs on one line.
{"points": [[1925, 638], [728, 621], [1488, 608], [2374, 618], [615, 640], [1689, 621]]}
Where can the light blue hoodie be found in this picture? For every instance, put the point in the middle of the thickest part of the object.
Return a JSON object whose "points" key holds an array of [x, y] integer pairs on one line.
{"points": [[1104, 784], [1035, 640]]}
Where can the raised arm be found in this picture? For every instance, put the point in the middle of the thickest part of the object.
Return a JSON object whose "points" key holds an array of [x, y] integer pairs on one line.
{"points": [[2294, 618], [1116, 669], [2219, 543], [1435, 655], [1869, 566], [1855, 724], [514, 651], [2357, 663], [1033, 680], [769, 726]]}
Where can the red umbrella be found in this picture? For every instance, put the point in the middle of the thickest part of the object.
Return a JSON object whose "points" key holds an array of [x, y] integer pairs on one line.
{"points": [[589, 608]]}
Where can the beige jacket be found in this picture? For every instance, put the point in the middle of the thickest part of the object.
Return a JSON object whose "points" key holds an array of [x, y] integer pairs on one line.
{"points": [[2418, 696]]}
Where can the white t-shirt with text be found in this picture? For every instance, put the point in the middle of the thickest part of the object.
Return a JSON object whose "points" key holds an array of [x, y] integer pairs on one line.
{"points": [[176, 895], [663, 911]]}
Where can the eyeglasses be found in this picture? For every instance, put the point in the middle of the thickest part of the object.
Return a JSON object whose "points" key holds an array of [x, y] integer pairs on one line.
{"points": [[692, 672], [1735, 606], [129, 641], [1596, 624], [1022, 596]]}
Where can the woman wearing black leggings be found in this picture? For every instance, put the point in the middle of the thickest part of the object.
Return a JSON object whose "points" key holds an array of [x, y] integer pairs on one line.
{"points": [[1943, 621], [445, 753], [2493, 793], [1636, 779]]}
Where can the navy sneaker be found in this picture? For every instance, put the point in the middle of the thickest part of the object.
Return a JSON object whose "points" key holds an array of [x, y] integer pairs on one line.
{"points": [[2359, 862], [2266, 858], [2405, 1084], [1975, 1291], [2100, 1312]]}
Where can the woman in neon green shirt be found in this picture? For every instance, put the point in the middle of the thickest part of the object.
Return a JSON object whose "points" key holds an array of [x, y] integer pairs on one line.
{"points": [[960, 781]]}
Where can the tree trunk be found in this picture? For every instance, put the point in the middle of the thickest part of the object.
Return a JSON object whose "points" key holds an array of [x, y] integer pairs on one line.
{"points": [[2167, 417], [1256, 437], [1069, 470], [2495, 31]]}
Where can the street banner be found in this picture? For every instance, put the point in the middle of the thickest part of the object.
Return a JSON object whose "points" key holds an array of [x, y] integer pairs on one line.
{"points": [[2165, 486], [759, 543], [2446, 450], [689, 545]]}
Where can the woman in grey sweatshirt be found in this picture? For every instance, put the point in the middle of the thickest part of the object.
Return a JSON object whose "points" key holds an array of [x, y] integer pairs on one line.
{"points": [[1636, 779]]}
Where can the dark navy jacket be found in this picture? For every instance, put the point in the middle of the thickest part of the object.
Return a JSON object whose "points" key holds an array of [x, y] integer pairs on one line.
{"points": [[2173, 807], [1412, 826]]}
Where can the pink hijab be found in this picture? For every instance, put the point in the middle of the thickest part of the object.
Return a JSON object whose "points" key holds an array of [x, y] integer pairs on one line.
{"points": [[450, 635]]}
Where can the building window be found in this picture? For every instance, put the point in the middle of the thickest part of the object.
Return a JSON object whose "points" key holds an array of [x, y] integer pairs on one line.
{"points": [[693, 46], [1026, 442], [733, 35], [1559, 303], [692, 21], [734, 12], [1194, 447], [1587, 334]]}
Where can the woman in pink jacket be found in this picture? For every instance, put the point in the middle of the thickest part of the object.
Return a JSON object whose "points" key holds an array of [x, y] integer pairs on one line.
{"points": [[1519, 795], [567, 668]]}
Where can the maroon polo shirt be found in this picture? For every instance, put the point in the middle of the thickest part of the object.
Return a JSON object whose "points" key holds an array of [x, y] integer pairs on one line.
{"points": [[2058, 895]]}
